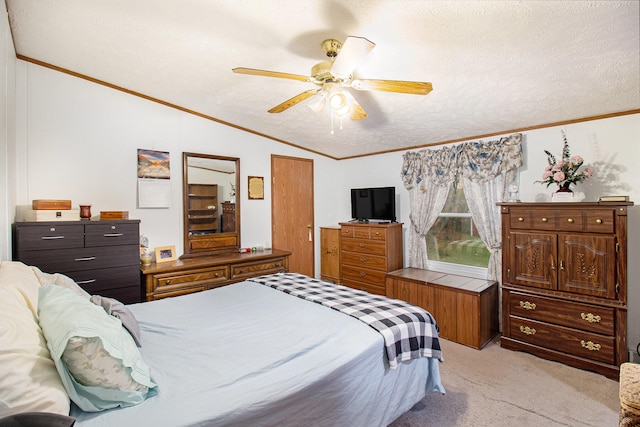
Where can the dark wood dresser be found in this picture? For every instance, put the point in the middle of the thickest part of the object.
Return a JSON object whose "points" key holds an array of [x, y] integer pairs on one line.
{"points": [[196, 274], [101, 256], [564, 290], [367, 252]]}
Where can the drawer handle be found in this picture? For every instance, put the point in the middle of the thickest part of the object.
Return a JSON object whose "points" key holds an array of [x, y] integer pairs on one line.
{"points": [[362, 245], [362, 274], [589, 345], [591, 318], [112, 234], [544, 220], [570, 220], [89, 258], [52, 237], [363, 259], [86, 282], [528, 305], [520, 219], [598, 221], [527, 330]]}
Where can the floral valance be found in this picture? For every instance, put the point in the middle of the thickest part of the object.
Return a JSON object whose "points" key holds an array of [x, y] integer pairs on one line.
{"points": [[477, 161]]}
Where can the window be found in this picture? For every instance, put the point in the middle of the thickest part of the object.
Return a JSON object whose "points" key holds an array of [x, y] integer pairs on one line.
{"points": [[453, 243]]}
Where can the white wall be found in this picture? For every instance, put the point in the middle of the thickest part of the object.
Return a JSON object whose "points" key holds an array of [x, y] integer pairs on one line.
{"points": [[7, 133], [78, 140], [611, 146]]}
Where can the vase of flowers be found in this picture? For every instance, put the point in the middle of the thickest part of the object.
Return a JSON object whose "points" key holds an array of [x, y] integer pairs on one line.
{"points": [[564, 172]]}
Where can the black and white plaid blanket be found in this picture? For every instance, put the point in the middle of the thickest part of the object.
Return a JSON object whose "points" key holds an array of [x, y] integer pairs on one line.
{"points": [[409, 332]]}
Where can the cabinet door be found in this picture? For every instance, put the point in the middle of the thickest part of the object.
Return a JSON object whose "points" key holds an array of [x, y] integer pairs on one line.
{"points": [[532, 257], [587, 265]]}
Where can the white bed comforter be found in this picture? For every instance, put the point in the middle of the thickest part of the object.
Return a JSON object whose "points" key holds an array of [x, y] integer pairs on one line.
{"points": [[249, 355]]}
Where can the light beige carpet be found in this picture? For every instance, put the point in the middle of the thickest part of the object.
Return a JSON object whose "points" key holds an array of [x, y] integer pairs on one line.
{"points": [[499, 387]]}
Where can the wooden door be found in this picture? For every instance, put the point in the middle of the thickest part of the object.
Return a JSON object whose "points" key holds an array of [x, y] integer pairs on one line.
{"points": [[533, 259], [587, 265], [292, 227]]}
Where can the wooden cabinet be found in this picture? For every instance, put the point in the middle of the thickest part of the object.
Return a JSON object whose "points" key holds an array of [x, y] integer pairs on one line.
{"points": [[330, 254], [228, 217], [466, 309], [367, 252], [202, 200], [180, 277], [103, 257], [564, 292]]}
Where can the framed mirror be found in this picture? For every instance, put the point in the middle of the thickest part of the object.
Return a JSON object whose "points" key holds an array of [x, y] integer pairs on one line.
{"points": [[211, 204]]}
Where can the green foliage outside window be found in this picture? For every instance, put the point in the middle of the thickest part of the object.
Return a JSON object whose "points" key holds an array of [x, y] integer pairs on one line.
{"points": [[453, 238]]}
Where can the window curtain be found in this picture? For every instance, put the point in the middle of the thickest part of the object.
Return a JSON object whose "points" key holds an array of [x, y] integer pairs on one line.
{"points": [[427, 176], [486, 170]]}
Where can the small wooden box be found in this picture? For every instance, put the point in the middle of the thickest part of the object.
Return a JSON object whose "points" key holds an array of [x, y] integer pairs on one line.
{"points": [[55, 205], [24, 214], [110, 215]]}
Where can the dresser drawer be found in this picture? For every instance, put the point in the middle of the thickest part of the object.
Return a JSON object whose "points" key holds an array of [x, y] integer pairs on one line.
{"points": [[569, 220], [375, 262], [573, 315], [371, 247], [363, 275], [247, 270], [520, 218], [543, 220], [41, 237], [348, 231], [109, 234], [109, 281], [194, 278], [600, 221], [562, 339], [76, 259]]}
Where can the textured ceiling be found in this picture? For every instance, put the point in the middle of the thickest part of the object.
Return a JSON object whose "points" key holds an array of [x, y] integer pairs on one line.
{"points": [[495, 66]]}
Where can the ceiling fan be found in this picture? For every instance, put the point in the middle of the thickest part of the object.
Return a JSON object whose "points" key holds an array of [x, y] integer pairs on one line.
{"points": [[335, 74]]}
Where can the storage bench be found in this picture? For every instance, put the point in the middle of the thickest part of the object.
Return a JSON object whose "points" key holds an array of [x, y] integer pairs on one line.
{"points": [[466, 309]]}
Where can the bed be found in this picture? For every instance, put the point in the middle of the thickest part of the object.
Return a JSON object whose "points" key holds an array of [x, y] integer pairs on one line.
{"points": [[244, 354]]}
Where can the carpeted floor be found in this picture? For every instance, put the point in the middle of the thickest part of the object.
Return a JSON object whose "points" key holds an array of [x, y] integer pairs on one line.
{"points": [[498, 387]]}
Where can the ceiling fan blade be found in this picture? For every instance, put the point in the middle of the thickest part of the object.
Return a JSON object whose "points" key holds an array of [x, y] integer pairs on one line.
{"points": [[399, 86], [277, 74], [353, 52], [293, 101], [357, 112]]}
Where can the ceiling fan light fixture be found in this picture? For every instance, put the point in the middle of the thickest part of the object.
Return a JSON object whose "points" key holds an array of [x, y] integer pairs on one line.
{"points": [[338, 100], [317, 103]]}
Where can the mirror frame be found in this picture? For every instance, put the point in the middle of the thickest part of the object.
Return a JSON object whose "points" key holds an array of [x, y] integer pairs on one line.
{"points": [[214, 243]]}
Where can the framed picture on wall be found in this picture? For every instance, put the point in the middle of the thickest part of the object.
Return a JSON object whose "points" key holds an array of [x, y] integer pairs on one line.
{"points": [[256, 187]]}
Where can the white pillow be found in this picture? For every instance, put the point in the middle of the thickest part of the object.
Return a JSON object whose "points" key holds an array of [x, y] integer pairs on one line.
{"points": [[78, 331], [29, 381]]}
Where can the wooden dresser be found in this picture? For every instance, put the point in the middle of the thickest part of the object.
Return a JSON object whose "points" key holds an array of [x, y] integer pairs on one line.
{"points": [[180, 277], [330, 254], [101, 256], [466, 309], [564, 291], [367, 252]]}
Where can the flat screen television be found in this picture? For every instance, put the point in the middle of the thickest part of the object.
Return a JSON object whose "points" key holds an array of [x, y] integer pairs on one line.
{"points": [[373, 204]]}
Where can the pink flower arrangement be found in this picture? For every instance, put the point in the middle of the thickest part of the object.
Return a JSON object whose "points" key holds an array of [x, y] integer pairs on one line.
{"points": [[566, 171]]}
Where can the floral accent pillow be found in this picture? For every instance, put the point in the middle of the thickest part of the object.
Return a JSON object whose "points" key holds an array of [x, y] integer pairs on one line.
{"points": [[91, 365], [97, 359]]}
